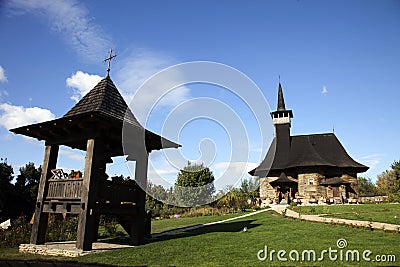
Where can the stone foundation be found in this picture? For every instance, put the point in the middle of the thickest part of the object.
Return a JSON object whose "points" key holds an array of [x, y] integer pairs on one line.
{"points": [[310, 190], [48, 250], [67, 249]]}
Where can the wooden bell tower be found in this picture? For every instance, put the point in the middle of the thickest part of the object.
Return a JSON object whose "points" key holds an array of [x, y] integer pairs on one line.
{"points": [[95, 125]]}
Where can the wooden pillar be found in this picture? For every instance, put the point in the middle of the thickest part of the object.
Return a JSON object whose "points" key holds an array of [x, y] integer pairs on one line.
{"points": [[138, 226], [87, 219], [96, 226], [39, 227]]}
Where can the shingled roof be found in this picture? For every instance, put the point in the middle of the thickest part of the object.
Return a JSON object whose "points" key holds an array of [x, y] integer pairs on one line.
{"points": [[282, 179], [101, 113], [308, 151], [105, 99]]}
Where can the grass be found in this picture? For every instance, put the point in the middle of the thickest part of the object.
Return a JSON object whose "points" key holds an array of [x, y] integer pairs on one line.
{"points": [[386, 213], [159, 226], [227, 244]]}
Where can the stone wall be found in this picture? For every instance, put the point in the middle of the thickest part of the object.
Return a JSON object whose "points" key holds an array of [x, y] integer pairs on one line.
{"points": [[309, 187], [354, 183], [308, 190], [266, 190]]}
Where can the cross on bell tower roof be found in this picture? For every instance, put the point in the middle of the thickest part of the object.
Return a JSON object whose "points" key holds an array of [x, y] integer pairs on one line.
{"points": [[110, 57]]}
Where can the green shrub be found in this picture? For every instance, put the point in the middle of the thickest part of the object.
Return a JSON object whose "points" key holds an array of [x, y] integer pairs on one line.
{"points": [[394, 197], [60, 229], [18, 233]]}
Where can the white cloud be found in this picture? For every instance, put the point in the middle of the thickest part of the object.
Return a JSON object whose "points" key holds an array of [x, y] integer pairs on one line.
{"points": [[371, 160], [71, 19], [324, 90], [82, 83], [3, 77], [16, 116], [134, 71], [74, 155], [3, 93]]}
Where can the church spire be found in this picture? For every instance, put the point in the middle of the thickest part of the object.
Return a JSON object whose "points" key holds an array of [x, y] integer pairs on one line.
{"points": [[281, 115], [281, 100], [281, 119]]}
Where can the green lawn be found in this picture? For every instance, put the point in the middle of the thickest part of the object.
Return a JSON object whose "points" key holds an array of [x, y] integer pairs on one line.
{"points": [[226, 244], [386, 213], [158, 226]]}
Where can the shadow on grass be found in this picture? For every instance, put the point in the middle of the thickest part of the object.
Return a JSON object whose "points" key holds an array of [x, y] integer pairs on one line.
{"points": [[192, 230], [200, 230]]}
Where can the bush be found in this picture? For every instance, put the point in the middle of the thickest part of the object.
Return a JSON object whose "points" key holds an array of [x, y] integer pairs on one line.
{"points": [[18, 233], [394, 197], [110, 226], [60, 229]]}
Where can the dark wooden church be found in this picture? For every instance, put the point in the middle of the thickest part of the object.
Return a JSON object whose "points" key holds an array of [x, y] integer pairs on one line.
{"points": [[101, 124], [305, 168]]}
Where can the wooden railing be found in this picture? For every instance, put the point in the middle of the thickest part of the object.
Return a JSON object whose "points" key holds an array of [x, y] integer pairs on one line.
{"points": [[65, 189]]}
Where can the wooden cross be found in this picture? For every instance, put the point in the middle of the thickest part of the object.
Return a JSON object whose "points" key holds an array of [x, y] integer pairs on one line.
{"points": [[111, 56]]}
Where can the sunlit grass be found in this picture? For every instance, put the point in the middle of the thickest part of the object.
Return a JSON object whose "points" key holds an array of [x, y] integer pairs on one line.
{"points": [[386, 213], [227, 244]]}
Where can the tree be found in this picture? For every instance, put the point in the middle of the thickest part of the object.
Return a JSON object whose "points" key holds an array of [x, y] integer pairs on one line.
{"points": [[385, 183], [365, 187], [238, 198], [396, 170], [388, 182], [6, 172], [27, 183], [7, 190], [29, 175], [395, 196], [249, 187], [194, 185], [155, 196]]}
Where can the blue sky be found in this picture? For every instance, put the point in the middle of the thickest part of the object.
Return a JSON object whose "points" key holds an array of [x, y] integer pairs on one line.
{"points": [[338, 61]]}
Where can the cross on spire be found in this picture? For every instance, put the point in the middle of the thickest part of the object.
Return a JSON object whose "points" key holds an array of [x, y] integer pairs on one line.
{"points": [[110, 57]]}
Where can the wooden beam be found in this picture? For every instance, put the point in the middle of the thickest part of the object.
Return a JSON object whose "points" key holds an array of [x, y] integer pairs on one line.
{"points": [[137, 231], [94, 166], [41, 219]]}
